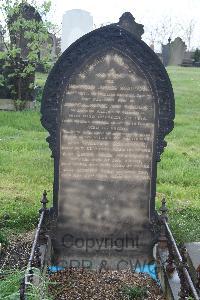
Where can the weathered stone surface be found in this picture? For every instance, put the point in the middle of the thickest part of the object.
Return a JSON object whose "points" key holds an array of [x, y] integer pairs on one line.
{"points": [[127, 21], [106, 149]]}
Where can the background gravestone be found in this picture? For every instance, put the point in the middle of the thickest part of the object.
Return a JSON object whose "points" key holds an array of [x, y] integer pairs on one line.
{"points": [[27, 12], [177, 52], [166, 53], [76, 23], [107, 104], [2, 46]]}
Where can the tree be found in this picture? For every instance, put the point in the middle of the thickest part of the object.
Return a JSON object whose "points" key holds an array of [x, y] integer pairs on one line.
{"points": [[188, 33], [196, 55], [27, 29], [161, 32]]}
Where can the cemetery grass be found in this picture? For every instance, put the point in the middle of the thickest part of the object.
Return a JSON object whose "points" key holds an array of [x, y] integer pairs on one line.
{"points": [[179, 169], [26, 166], [9, 287]]}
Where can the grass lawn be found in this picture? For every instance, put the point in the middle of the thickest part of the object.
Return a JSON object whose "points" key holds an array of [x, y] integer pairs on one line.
{"points": [[26, 168], [179, 169]]}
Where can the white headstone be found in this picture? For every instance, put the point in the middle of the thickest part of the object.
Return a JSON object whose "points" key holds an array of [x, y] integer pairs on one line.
{"points": [[76, 23]]}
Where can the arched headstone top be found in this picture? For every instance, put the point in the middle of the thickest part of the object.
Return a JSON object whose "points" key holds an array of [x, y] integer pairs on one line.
{"points": [[26, 11], [111, 37]]}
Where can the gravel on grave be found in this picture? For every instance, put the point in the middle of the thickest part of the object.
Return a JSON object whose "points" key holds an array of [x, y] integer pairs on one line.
{"points": [[79, 284], [16, 254]]}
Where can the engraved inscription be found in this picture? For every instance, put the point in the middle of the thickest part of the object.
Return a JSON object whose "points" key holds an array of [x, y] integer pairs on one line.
{"points": [[107, 129]]}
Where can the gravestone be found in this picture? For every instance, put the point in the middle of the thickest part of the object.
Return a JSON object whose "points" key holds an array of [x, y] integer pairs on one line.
{"points": [[108, 105], [177, 52], [166, 54], [2, 46], [27, 12], [76, 23]]}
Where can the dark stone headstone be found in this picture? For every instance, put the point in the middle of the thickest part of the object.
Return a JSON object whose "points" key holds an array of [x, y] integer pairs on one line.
{"points": [[165, 54], [107, 104], [27, 12], [127, 21]]}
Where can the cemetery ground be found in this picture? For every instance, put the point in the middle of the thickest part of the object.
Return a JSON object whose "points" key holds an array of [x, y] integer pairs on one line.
{"points": [[26, 167]]}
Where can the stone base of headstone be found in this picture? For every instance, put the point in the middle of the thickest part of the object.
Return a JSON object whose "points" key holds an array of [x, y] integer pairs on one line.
{"points": [[105, 262], [187, 62], [9, 105], [99, 250]]}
